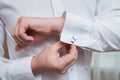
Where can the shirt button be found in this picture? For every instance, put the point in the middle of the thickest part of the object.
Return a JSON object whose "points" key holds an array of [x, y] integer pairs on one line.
{"points": [[73, 40]]}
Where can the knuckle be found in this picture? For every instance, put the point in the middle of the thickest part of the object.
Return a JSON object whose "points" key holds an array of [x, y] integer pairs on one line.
{"points": [[58, 66], [21, 19], [62, 71]]}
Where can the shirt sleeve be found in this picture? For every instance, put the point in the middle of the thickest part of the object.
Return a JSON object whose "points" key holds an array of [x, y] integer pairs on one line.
{"points": [[19, 69], [100, 33]]}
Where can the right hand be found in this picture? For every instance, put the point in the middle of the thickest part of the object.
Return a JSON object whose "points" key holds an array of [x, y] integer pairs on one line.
{"points": [[29, 30], [50, 59]]}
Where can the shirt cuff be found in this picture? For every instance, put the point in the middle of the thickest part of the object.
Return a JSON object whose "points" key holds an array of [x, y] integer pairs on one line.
{"points": [[20, 69], [77, 30]]}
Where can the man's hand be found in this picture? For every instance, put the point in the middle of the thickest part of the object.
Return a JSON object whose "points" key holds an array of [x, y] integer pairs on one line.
{"points": [[29, 30], [50, 59]]}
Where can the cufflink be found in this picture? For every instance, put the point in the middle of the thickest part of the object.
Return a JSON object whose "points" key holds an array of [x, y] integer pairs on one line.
{"points": [[73, 40]]}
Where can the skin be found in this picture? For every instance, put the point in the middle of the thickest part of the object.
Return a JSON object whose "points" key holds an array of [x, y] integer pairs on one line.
{"points": [[29, 30], [50, 59]]}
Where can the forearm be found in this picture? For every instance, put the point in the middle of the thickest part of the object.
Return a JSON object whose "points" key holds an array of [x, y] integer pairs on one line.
{"points": [[52, 25], [57, 25], [36, 68]]}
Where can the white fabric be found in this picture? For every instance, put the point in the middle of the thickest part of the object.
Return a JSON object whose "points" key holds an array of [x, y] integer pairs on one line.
{"points": [[88, 25], [94, 32], [13, 70], [1, 39]]}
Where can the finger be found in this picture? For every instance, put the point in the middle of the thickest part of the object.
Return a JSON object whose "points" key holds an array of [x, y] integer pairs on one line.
{"points": [[68, 66], [72, 50], [69, 58], [19, 47], [22, 33], [64, 70], [18, 40], [58, 45], [68, 49], [21, 43]]}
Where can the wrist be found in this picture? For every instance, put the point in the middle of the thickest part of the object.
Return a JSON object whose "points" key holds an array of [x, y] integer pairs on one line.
{"points": [[57, 26], [35, 67]]}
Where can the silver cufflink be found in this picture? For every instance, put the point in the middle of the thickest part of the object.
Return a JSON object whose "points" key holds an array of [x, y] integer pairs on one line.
{"points": [[73, 40]]}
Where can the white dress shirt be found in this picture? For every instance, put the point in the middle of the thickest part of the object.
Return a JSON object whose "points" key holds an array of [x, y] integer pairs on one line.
{"points": [[89, 24]]}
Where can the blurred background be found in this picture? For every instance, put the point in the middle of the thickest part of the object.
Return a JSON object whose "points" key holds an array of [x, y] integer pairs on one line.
{"points": [[104, 66]]}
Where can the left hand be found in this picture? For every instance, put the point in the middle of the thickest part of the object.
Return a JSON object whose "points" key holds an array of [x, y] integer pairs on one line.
{"points": [[29, 30], [50, 60]]}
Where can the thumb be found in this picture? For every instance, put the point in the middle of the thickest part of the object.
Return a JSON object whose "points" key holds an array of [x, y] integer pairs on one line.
{"points": [[58, 45], [70, 57]]}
